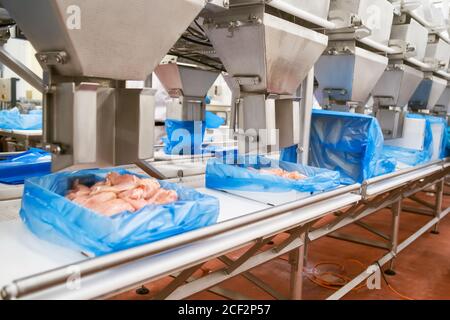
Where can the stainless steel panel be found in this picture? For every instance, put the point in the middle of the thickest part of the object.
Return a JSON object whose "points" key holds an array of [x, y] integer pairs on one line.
{"points": [[186, 109], [287, 117], [349, 77], [369, 67], [106, 121], [105, 38], [413, 33], [391, 122], [256, 124], [134, 138], [97, 126], [61, 131], [291, 51], [376, 15], [85, 123], [444, 100], [438, 53], [397, 85], [179, 80], [428, 93], [276, 51]]}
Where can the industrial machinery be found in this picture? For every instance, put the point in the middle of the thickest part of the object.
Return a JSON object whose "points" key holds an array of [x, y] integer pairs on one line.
{"points": [[416, 76], [268, 57], [353, 63], [269, 53], [91, 118]]}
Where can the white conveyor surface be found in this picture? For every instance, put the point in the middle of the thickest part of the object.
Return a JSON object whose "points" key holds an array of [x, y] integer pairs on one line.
{"points": [[8, 192], [395, 182], [30, 133], [23, 254], [132, 274], [271, 198]]}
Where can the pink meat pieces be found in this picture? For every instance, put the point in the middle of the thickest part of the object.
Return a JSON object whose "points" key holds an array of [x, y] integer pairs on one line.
{"points": [[78, 190], [117, 184], [295, 175], [164, 196], [111, 207], [119, 193]]}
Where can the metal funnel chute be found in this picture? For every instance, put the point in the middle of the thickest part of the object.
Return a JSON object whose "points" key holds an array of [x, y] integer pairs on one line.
{"points": [[444, 101], [185, 80], [263, 52], [391, 96], [268, 57], [88, 48], [114, 39], [348, 77], [187, 85], [397, 85], [428, 93]]}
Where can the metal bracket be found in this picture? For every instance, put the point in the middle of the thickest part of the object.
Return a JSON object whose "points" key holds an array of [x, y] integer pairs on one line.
{"points": [[52, 57], [248, 80]]}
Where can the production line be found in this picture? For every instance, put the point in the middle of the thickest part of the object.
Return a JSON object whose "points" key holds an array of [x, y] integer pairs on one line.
{"points": [[380, 71]]}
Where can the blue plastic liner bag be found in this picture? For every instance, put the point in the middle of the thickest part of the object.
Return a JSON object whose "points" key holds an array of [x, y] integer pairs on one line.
{"points": [[213, 121], [14, 120], [32, 163], [349, 143], [184, 137], [409, 157], [243, 175], [432, 121], [447, 153], [289, 154], [49, 215]]}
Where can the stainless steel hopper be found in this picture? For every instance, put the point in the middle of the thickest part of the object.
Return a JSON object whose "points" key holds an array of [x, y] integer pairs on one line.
{"points": [[88, 49], [188, 86], [268, 57]]}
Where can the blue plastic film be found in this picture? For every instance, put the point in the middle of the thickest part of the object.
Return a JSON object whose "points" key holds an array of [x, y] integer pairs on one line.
{"points": [[237, 174], [52, 217]]}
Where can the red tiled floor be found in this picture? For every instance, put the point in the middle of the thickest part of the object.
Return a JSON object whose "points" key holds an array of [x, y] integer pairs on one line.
{"points": [[423, 269]]}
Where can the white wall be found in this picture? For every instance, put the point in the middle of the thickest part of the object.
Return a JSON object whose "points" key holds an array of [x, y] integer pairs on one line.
{"points": [[24, 52]]}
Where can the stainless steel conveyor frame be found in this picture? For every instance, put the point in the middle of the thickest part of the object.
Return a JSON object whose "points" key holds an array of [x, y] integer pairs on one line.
{"points": [[182, 255]]}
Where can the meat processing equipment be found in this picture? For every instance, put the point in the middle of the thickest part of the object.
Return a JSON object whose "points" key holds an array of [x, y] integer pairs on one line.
{"points": [[415, 76], [187, 85], [431, 88], [88, 50], [255, 43], [268, 53], [436, 57], [352, 63], [400, 79]]}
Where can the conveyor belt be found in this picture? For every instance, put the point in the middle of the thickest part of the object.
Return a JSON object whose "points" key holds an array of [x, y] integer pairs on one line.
{"points": [[43, 255]]}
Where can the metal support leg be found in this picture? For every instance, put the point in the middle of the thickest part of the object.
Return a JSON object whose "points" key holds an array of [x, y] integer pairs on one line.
{"points": [[296, 259], [178, 281], [396, 209], [438, 205]]}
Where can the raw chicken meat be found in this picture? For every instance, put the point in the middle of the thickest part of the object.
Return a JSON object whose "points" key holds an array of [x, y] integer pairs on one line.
{"points": [[78, 191], [163, 196], [120, 193], [295, 175]]}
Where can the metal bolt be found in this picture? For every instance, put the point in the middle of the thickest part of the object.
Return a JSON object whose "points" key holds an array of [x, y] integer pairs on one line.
{"points": [[56, 150]]}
